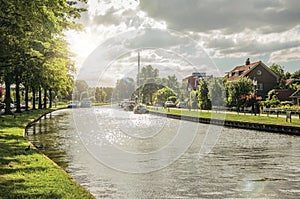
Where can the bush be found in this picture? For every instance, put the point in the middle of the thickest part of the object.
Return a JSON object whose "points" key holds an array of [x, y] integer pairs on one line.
{"points": [[286, 103]]}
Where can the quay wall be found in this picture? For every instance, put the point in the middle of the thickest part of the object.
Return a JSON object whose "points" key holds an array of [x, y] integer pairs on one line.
{"points": [[274, 128]]}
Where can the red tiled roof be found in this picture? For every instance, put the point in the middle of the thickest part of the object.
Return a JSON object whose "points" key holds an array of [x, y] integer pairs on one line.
{"points": [[291, 81], [244, 68]]}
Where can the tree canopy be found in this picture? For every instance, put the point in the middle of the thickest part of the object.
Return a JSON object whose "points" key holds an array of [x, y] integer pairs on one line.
{"points": [[33, 50], [237, 89]]}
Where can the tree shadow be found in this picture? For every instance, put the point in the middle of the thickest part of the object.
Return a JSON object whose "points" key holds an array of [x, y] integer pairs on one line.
{"points": [[16, 188]]}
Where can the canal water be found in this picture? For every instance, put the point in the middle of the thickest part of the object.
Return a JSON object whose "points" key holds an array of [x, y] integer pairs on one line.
{"points": [[118, 154]]}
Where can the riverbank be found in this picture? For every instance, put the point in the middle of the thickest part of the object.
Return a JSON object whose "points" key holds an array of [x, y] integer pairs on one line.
{"points": [[260, 123], [24, 171]]}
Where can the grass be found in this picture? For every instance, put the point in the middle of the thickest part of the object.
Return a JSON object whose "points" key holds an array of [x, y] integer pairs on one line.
{"points": [[101, 103], [233, 117], [30, 174]]}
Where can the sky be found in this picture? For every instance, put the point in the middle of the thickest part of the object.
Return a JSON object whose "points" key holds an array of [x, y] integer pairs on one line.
{"points": [[183, 36]]}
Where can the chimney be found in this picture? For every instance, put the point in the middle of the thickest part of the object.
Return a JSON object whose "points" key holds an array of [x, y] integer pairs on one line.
{"points": [[248, 61]]}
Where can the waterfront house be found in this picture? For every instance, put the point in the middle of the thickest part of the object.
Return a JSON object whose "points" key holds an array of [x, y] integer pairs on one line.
{"points": [[192, 81], [263, 77]]}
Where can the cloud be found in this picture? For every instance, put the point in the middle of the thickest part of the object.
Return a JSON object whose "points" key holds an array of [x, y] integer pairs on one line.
{"points": [[230, 16], [169, 51], [251, 43], [285, 55], [230, 29]]}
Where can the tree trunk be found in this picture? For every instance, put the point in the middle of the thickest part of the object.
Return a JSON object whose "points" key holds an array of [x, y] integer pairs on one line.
{"points": [[45, 98], [33, 99], [50, 98], [26, 98], [40, 98], [7, 95], [18, 97]]}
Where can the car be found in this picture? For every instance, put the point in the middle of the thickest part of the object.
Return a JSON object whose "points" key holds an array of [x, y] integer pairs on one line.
{"points": [[181, 105], [169, 104], [159, 104], [73, 105]]}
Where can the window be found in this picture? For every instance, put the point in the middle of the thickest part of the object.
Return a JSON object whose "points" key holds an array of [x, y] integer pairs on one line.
{"points": [[258, 72], [260, 86]]}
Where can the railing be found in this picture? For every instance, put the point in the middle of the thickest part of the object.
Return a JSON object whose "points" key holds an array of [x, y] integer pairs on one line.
{"points": [[281, 111]]}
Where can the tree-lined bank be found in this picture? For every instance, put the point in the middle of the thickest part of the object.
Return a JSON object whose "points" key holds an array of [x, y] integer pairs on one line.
{"points": [[25, 172], [34, 55]]}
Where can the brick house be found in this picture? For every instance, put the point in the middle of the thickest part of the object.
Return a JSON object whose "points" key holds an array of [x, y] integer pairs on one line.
{"points": [[264, 78], [193, 80]]}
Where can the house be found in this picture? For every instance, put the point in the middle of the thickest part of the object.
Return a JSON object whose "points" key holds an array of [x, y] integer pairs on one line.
{"points": [[290, 82], [264, 79], [193, 80], [296, 97], [284, 94]]}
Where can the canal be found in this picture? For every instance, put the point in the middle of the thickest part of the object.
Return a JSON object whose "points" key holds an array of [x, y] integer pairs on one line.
{"points": [[118, 154]]}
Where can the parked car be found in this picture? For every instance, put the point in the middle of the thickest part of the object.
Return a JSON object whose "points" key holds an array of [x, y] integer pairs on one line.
{"points": [[181, 105], [169, 104], [73, 105], [159, 104]]}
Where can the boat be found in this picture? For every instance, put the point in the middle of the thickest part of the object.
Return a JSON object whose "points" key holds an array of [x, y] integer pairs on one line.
{"points": [[128, 106], [140, 109]]}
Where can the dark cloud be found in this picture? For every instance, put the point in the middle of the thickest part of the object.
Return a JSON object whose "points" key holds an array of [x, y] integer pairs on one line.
{"points": [[250, 46], [156, 38], [229, 15]]}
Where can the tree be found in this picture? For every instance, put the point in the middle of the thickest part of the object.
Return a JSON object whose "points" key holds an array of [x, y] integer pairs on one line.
{"points": [[236, 89], [193, 99], [171, 82], [146, 92], [217, 92], [81, 88], [162, 95], [26, 28], [282, 76], [124, 88], [148, 74], [100, 95], [204, 102], [296, 75], [272, 100]]}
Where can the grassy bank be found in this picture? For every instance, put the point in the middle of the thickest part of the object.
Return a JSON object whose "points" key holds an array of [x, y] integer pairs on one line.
{"points": [[234, 117], [28, 173]]}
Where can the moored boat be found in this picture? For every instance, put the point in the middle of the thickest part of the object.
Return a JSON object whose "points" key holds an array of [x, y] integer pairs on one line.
{"points": [[140, 109]]}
